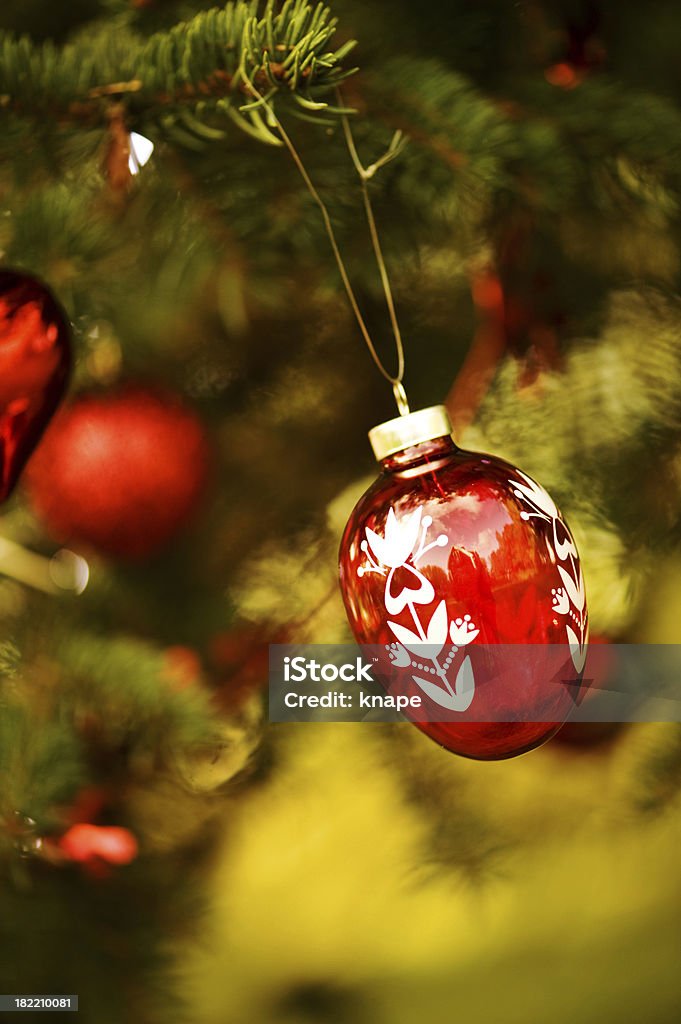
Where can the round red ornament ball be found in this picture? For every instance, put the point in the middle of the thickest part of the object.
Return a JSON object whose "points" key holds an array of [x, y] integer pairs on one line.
{"points": [[449, 561], [35, 359], [121, 472]]}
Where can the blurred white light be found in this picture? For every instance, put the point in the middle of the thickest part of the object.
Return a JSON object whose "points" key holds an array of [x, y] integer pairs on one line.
{"points": [[141, 149], [69, 571]]}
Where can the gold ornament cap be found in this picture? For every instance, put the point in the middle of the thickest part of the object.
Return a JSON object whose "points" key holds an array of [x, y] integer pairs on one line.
{"points": [[405, 431]]}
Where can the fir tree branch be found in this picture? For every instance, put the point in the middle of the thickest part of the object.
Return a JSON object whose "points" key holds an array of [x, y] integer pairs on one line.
{"points": [[125, 683], [209, 63]]}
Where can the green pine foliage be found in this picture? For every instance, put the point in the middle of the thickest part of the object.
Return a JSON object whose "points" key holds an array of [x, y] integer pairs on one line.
{"points": [[222, 60], [209, 273]]}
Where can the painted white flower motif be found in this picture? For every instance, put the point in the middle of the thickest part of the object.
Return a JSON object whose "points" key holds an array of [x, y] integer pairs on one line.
{"points": [[395, 556], [561, 602], [396, 551], [399, 541], [463, 631], [399, 657]]}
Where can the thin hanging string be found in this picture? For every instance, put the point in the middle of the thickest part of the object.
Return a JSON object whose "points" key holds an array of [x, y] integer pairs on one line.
{"points": [[364, 175]]}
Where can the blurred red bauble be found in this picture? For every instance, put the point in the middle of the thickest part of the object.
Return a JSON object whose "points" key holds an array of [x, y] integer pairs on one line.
{"points": [[86, 843], [450, 550], [240, 661], [35, 359], [564, 75], [121, 472], [182, 669]]}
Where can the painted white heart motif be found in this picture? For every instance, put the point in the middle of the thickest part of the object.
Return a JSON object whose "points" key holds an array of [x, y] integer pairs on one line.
{"points": [[394, 556], [423, 593]]}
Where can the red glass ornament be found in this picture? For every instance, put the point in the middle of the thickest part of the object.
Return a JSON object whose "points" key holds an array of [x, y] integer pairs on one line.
{"points": [[121, 472], [455, 547], [34, 366]]}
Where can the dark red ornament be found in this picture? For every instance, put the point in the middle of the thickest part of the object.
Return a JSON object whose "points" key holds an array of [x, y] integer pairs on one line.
{"points": [[35, 359], [121, 472], [450, 550]]}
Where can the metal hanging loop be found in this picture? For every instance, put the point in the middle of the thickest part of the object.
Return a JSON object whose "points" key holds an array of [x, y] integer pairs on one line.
{"points": [[401, 398]]}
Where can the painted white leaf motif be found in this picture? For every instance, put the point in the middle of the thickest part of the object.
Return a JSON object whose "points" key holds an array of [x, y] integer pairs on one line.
{"points": [[465, 683], [414, 643], [437, 627], [464, 689], [537, 495], [574, 589], [404, 635], [577, 650], [566, 547], [438, 694], [395, 547], [570, 599]]}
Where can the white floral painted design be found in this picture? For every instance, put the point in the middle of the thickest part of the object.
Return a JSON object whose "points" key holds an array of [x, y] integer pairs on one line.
{"points": [[402, 545], [570, 598], [463, 631]]}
